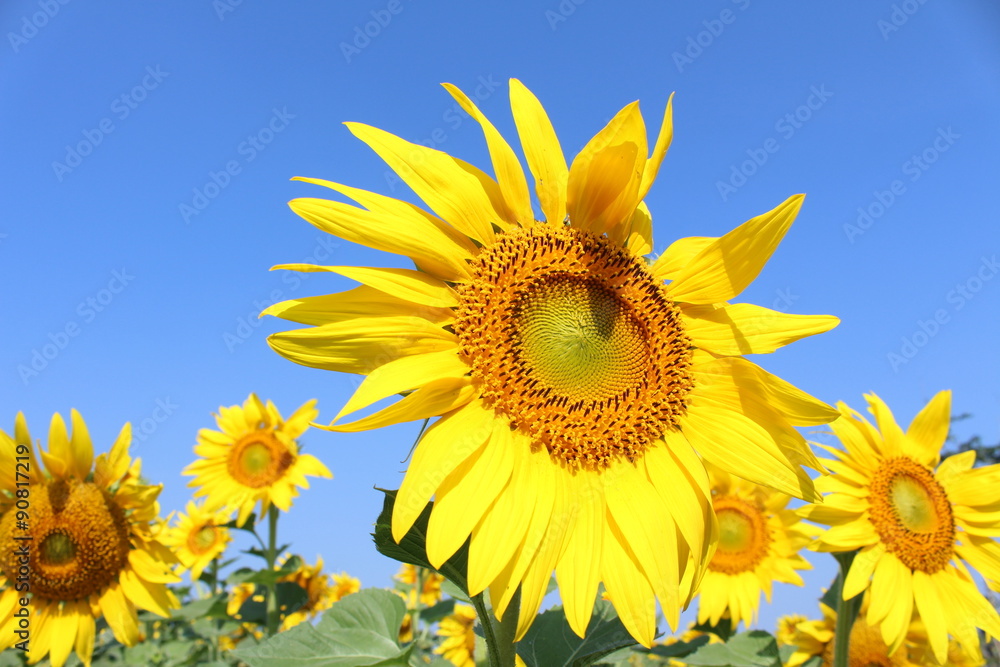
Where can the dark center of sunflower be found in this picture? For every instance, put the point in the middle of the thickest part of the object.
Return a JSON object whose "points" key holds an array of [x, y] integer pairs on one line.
{"points": [[912, 515], [571, 339], [82, 539], [259, 459], [744, 537]]}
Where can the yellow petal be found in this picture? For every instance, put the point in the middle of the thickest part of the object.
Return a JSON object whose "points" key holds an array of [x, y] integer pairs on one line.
{"points": [[954, 465], [929, 429], [976, 487], [542, 151], [465, 495], [929, 606], [639, 236], [361, 301], [652, 166], [628, 588], [891, 600], [744, 328], [579, 569], [679, 255], [413, 236], [434, 398], [848, 536], [443, 447], [120, 614], [892, 435], [404, 374], [362, 344], [57, 459], [459, 193], [724, 268], [415, 286], [603, 186], [862, 568], [82, 451], [510, 176], [85, 631], [63, 627]]}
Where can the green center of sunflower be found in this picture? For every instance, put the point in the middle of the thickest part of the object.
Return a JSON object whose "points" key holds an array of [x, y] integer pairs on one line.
{"points": [[744, 537], [255, 458], [204, 539], [259, 459], [573, 341], [579, 338], [913, 504], [82, 536], [58, 549]]}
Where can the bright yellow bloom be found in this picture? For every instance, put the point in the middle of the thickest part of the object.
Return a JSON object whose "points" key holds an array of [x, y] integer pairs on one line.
{"points": [[254, 457], [430, 589], [92, 552], [321, 594], [578, 383], [198, 537], [916, 523], [239, 594], [759, 543], [459, 647]]}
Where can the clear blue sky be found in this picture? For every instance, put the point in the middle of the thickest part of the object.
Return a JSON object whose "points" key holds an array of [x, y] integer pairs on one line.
{"points": [[115, 116]]}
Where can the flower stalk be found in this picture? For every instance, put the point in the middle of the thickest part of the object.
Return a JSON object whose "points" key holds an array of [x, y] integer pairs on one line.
{"points": [[499, 634], [847, 611]]}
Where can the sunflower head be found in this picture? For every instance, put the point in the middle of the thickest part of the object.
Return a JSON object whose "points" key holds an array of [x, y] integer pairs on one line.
{"points": [[459, 638], [91, 535], [579, 383], [322, 590], [917, 521], [198, 537], [253, 458]]}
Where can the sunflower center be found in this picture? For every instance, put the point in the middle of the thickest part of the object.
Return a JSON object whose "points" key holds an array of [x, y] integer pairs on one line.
{"points": [[912, 515], [571, 339], [259, 459], [744, 537], [82, 536], [202, 539]]}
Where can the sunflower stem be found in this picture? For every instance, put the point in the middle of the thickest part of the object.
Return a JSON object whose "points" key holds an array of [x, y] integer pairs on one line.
{"points": [[272, 557], [499, 635], [847, 611], [216, 622]]}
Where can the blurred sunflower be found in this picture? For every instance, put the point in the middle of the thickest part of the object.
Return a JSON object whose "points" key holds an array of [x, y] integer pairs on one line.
{"points": [[254, 457], [459, 645], [916, 523], [577, 383], [321, 594], [759, 543], [430, 586], [198, 537], [92, 551]]}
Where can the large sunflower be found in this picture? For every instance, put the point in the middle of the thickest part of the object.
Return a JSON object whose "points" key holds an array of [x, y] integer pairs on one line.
{"points": [[759, 543], [254, 457], [88, 531], [198, 537], [577, 383], [917, 524]]}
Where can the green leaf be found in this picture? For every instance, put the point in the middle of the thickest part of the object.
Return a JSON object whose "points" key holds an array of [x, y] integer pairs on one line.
{"points": [[211, 607], [551, 643], [755, 648], [412, 548], [361, 630], [437, 612], [678, 649], [723, 630]]}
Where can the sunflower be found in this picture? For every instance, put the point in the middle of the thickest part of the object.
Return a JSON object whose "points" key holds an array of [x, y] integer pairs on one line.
{"points": [[576, 381], [430, 587], [320, 593], [198, 537], [90, 546], [759, 543], [917, 524], [459, 646], [254, 457]]}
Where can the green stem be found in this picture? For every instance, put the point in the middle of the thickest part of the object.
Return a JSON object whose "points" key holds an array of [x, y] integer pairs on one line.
{"points": [[217, 622], [272, 557], [847, 611], [499, 634]]}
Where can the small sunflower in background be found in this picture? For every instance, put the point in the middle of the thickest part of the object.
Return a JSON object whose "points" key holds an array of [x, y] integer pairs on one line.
{"points": [[918, 522], [759, 543], [430, 585], [198, 537], [459, 645], [93, 553], [320, 593], [253, 458], [578, 383]]}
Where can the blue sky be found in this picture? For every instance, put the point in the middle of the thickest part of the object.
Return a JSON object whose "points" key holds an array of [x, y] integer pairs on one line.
{"points": [[147, 151]]}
